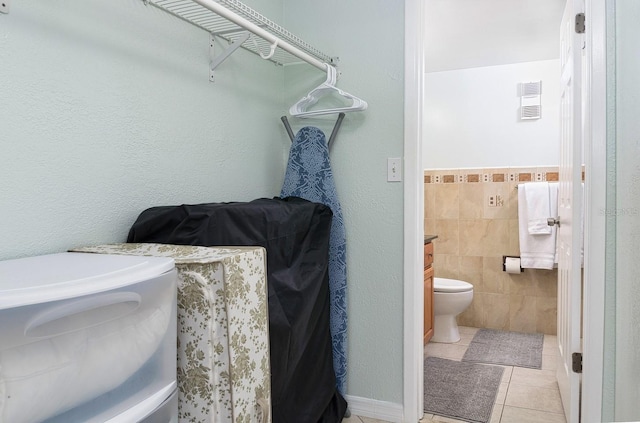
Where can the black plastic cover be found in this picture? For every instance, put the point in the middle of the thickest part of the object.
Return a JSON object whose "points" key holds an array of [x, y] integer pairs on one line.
{"points": [[295, 233]]}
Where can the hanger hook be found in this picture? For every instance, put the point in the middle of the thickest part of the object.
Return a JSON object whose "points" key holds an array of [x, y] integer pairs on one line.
{"points": [[272, 49], [332, 75]]}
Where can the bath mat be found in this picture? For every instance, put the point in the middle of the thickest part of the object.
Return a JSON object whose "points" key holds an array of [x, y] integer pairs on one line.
{"points": [[506, 348], [463, 391]]}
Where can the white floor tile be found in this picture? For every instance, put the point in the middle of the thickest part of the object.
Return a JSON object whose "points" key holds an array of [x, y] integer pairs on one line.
{"points": [[550, 345], [496, 415], [450, 351], [549, 362], [532, 377], [502, 393], [370, 420], [443, 419], [523, 415], [534, 398]]}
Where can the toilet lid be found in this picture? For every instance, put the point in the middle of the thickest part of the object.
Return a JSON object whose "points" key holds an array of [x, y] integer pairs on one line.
{"points": [[451, 285]]}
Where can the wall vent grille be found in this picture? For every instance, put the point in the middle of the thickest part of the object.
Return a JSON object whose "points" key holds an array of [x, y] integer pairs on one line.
{"points": [[530, 100]]}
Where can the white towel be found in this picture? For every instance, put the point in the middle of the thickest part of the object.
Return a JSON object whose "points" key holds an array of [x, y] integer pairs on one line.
{"points": [[537, 251], [538, 208]]}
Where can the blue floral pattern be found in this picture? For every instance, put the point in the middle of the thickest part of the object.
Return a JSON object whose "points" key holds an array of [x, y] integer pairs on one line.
{"points": [[309, 176]]}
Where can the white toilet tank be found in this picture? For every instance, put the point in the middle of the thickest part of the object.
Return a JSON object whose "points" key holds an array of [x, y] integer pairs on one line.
{"points": [[86, 337]]}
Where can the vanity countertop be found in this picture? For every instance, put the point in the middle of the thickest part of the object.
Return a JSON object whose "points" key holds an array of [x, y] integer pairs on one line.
{"points": [[429, 238]]}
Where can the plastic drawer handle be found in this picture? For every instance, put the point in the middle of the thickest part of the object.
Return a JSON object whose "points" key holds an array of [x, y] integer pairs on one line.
{"points": [[82, 313]]}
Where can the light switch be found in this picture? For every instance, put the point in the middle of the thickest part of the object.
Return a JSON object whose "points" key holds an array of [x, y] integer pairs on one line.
{"points": [[394, 169]]}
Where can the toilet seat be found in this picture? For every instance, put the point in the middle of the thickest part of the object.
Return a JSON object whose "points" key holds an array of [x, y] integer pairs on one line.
{"points": [[451, 285]]}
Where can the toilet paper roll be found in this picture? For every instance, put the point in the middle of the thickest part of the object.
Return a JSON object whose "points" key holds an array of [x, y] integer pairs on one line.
{"points": [[512, 264]]}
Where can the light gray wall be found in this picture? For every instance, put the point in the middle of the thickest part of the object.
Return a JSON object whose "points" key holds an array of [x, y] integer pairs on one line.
{"points": [[368, 37], [107, 110], [626, 231]]}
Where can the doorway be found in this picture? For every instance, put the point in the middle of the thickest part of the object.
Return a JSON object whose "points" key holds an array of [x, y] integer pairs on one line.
{"points": [[467, 35], [611, 221]]}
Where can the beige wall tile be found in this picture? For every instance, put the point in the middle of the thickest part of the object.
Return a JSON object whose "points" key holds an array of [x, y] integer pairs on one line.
{"points": [[524, 174], [494, 279], [512, 199], [546, 283], [430, 227], [522, 317], [448, 235], [546, 315], [483, 237], [471, 201], [496, 311], [522, 283], [470, 247], [446, 200], [514, 238], [470, 175], [429, 201], [428, 176], [474, 314], [445, 265], [471, 271], [496, 174], [501, 192]]}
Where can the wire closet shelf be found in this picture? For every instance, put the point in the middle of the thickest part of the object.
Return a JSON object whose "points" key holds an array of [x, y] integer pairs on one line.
{"points": [[231, 19]]}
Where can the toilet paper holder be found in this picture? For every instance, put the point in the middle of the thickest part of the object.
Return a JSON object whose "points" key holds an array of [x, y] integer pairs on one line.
{"points": [[504, 265]]}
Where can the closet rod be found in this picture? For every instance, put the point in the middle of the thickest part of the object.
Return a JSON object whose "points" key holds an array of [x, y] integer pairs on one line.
{"points": [[260, 32]]}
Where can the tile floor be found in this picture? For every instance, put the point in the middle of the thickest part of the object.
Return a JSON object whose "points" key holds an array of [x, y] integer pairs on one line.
{"points": [[525, 395]]}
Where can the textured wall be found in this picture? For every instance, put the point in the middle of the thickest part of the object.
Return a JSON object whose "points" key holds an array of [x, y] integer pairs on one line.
{"points": [[473, 237], [372, 63], [107, 110]]}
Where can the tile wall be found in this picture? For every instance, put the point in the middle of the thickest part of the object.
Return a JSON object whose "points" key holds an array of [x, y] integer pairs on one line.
{"points": [[474, 213]]}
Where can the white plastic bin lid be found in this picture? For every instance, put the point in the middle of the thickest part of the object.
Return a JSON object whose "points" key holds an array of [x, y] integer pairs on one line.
{"points": [[52, 277]]}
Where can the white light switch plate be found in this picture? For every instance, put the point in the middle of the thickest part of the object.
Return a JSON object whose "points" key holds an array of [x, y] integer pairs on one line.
{"points": [[4, 6], [394, 169]]}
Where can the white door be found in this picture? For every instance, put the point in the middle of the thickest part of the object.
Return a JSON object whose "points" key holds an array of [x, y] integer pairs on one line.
{"points": [[569, 243]]}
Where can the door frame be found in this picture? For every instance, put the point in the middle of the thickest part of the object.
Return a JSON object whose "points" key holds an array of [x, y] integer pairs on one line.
{"points": [[413, 380], [595, 146], [594, 223]]}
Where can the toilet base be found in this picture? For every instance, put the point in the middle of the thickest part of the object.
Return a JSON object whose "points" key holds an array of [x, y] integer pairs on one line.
{"points": [[445, 329]]}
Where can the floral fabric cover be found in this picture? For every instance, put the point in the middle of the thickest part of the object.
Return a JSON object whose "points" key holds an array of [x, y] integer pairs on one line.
{"points": [[223, 340]]}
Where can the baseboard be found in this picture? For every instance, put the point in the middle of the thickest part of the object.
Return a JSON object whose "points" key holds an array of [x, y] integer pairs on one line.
{"points": [[375, 409]]}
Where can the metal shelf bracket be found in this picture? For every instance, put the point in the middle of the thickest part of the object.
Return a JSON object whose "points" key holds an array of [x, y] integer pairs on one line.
{"points": [[217, 60]]}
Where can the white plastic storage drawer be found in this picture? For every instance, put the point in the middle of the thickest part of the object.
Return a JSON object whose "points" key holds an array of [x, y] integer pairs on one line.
{"points": [[224, 370], [86, 337]]}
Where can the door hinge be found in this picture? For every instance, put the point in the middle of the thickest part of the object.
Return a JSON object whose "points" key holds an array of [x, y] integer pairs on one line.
{"points": [[580, 23], [576, 364]]}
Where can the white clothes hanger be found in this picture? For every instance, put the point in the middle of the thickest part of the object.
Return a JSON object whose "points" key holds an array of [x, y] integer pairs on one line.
{"points": [[300, 109]]}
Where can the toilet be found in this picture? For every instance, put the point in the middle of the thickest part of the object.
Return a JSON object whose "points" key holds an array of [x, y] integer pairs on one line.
{"points": [[450, 298]]}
